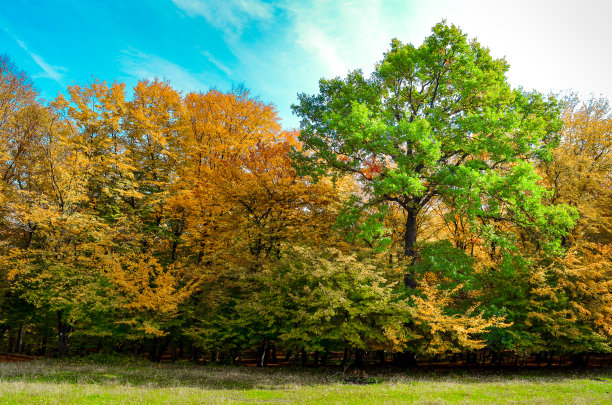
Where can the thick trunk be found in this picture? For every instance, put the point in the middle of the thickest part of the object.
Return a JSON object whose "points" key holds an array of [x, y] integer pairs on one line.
{"points": [[407, 358], [410, 235]]}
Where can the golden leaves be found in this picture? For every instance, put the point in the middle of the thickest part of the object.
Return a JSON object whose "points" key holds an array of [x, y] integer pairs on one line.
{"points": [[447, 332], [143, 284]]}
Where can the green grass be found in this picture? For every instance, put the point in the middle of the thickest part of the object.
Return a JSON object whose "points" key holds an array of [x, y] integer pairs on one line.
{"points": [[71, 382]]}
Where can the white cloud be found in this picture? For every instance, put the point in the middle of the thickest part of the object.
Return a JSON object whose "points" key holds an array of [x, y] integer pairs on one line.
{"points": [[550, 44], [230, 16], [217, 64], [50, 72], [316, 39], [341, 35], [140, 65], [321, 46]]}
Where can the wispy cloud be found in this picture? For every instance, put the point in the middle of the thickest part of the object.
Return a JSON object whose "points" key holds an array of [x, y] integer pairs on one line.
{"points": [[293, 43], [140, 65], [230, 16], [341, 35], [50, 72], [217, 64], [323, 48]]}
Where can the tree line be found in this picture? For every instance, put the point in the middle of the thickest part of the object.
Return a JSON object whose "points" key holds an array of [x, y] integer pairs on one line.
{"points": [[426, 211]]}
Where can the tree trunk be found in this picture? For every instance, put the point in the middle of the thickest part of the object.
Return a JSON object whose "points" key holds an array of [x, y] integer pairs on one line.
{"points": [[19, 345], [43, 347], [359, 359], [153, 351], [63, 331], [406, 359], [162, 349], [273, 356], [263, 354], [410, 235], [159, 349], [550, 359], [324, 357], [381, 356], [345, 356], [195, 355]]}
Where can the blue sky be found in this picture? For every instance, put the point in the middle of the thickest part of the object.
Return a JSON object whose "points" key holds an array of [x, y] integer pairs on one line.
{"points": [[281, 48]]}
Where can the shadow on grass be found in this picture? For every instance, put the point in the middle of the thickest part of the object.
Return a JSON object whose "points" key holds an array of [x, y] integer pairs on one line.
{"points": [[146, 374]]}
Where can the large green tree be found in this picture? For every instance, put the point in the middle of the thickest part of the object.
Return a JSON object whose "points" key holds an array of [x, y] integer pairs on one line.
{"points": [[435, 125]]}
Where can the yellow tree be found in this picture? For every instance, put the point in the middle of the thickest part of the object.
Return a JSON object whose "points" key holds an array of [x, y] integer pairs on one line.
{"points": [[91, 211], [149, 277], [21, 121], [56, 269], [243, 201], [22, 118], [573, 296]]}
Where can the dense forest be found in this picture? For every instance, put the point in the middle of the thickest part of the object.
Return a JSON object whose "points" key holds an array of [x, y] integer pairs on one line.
{"points": [[428, 211]]}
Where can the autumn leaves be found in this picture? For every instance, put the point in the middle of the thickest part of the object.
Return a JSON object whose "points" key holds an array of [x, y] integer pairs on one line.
{"points": [[416, 211]]}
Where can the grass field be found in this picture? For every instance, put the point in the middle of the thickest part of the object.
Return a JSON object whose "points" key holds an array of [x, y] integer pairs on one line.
{"points": [[68, 382]]}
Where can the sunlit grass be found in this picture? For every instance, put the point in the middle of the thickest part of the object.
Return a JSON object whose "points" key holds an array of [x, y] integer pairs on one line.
{"points": [[49, 381]]}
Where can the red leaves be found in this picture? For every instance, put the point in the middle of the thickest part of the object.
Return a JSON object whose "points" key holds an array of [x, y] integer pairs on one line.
{"points": [[372, 168]]}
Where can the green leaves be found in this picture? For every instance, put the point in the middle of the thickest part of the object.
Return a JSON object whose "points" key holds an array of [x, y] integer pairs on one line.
{"points": [[313, 300], [435, 123]]}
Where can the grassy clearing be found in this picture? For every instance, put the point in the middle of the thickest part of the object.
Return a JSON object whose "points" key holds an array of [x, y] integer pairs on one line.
{"points": [[47, 381]]}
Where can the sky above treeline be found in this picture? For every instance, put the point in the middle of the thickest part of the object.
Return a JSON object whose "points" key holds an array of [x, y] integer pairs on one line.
{"points": [[278, 49]]}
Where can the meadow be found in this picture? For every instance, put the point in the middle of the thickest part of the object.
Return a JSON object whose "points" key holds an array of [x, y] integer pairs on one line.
{"points": [[85, 382]]}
